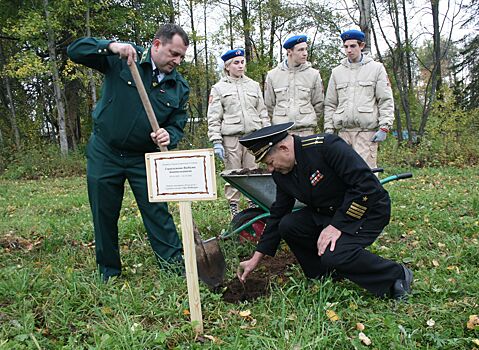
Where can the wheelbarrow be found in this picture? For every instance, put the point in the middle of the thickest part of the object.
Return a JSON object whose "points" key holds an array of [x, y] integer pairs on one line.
{"points": [[259, 187]]}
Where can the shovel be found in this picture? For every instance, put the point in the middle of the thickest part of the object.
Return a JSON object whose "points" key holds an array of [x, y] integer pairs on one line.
{"points": [[210, 260]]}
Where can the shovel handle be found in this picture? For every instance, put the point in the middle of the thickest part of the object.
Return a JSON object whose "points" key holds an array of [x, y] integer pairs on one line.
{"points": [[145, 100]]}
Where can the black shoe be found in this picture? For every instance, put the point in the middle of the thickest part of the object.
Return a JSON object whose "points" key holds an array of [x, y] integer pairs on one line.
{"points": [[402, 288]]}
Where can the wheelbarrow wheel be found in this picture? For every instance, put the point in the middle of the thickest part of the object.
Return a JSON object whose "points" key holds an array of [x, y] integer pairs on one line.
{"points": [[252, 232]]}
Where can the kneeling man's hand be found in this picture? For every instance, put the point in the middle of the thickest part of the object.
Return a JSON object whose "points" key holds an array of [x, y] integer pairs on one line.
{"points": [[329, 235], [247, 266]]}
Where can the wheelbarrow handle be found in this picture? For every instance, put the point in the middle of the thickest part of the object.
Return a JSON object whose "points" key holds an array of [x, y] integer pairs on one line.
{"points": [[145, 100], [404, 176]]}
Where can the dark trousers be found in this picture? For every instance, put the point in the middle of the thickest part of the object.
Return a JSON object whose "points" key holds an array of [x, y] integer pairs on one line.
{"points": [[107, 171], [349, 259]]}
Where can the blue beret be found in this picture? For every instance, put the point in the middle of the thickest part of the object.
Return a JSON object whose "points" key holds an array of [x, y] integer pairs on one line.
{"points": [[289, 44], [260, 142], [353, 34], [232, 53]]}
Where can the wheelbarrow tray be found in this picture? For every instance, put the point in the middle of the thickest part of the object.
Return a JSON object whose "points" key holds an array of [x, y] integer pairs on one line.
{"points": [[258, 187]]}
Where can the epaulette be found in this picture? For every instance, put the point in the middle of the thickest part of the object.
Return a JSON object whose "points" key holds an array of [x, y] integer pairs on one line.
{"points": [[312, 140]]}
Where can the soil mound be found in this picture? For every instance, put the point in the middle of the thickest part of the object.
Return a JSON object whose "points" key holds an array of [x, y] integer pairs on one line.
{"points": [[258, 282]]}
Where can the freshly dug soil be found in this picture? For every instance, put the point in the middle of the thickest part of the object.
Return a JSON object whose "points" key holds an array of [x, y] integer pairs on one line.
{"points": [[258, 282]]}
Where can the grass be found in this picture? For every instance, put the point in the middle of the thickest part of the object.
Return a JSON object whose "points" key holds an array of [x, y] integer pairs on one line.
{"points": [[51, 297]]}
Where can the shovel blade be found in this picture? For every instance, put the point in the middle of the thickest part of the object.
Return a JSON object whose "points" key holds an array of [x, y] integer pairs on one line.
{"points": [[210, 262]]}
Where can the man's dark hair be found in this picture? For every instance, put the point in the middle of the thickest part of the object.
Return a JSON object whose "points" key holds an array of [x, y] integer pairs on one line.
{"points": [[167, 31]]}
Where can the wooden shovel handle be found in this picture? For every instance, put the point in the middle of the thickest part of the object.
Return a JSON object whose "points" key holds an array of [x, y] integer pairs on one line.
{"points": [[145, 100]]}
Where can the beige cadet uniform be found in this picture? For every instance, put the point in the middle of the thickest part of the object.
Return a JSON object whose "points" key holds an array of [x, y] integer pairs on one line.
{"points": [[358, 102], [236, 107], [295, 94]]}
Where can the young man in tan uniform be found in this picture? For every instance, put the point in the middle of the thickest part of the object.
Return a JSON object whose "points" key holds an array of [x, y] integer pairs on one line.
{"points": [[359, 101], [236, 107], [294, 90]]}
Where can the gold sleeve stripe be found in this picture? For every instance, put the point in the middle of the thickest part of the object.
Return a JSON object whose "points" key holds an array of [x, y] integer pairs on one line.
{"points": [[353, 210], [354, 215], [357, 206]]}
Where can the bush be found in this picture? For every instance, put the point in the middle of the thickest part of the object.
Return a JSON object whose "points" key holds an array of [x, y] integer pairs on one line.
{"points": [[452, 139], [43, 161]]}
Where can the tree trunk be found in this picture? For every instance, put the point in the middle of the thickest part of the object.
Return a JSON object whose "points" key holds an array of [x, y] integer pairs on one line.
{"points": [[11, 105], [73, 103], [171, 13], [56, 84], [272, 5], [365, 21], [436, 79], [230, 14], [196, 79], [246, 31], [397, 57], [91, 79], [207, 71]]}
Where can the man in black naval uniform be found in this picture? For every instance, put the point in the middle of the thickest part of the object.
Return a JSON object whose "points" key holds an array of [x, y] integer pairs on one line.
{"points": [[346, 210], [122, 135]]}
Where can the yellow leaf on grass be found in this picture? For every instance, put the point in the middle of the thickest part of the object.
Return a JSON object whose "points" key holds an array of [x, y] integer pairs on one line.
{"points": [[186, 312], [475, 341], [106, 310], [473, 322], [364, 339], [245, 313], [333, 317], [360, 326], [435, 263]]}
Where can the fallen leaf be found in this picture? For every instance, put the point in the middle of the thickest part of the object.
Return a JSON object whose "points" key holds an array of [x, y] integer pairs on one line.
{"points": [[360, 327], [475, 341], [435, 263], [245, 313], [106, 310], [473, 322], [333, 317], [364, 339], [213, 339], [186, 312], [430, 322]]}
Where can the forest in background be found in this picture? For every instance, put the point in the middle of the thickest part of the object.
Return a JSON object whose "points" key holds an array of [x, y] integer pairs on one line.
{"points": [[47, 100]]}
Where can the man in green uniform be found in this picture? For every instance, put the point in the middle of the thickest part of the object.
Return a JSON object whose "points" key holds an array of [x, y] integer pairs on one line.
{"points": [[122, 135]]}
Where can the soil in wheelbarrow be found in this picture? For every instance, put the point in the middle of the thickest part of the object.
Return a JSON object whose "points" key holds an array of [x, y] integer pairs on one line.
{"points": [[258, 283], [247, 171]]}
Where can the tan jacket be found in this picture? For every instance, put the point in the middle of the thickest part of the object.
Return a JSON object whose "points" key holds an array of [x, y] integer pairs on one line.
{"points": [[236, 107], [359, 97], [294, 94]]}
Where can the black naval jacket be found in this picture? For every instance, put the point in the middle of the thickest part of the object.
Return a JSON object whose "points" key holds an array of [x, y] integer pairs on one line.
{"points": [[332, 178]]}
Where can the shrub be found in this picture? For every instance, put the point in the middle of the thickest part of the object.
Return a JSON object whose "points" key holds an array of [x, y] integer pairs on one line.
{"points": [[452, 139], [44, 161]]}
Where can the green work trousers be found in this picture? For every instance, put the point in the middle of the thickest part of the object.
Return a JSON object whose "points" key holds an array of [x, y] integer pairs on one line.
{"points": [[107, 170]]}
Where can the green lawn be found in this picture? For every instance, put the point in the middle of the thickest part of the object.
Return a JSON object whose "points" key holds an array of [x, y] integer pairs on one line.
{"points": [[51, 298]]}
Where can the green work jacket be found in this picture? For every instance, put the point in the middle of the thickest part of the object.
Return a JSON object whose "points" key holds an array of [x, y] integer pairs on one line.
{"points": [[119, 118]]}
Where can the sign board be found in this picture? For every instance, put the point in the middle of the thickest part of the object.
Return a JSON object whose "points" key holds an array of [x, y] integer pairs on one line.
{"points": [[181, 175]]}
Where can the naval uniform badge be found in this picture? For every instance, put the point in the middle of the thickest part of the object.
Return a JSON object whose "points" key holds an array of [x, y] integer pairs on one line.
{"points": [[316, 177]]}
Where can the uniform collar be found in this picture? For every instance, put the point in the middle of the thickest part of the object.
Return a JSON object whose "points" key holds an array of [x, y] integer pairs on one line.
{"points": [[146, 60]]}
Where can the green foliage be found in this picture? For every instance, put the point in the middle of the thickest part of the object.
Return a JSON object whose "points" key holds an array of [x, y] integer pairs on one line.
{"points": [[42, 161], [452, 138], [51, 297]]}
